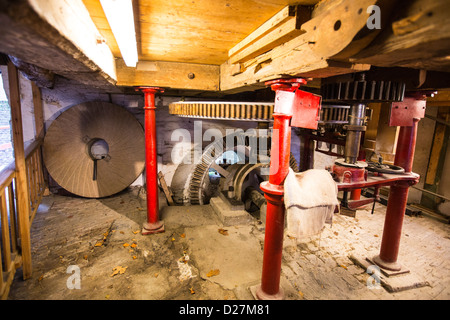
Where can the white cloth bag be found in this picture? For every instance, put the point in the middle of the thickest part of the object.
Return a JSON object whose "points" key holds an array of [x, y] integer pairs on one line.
{"points": [[310, 198]]}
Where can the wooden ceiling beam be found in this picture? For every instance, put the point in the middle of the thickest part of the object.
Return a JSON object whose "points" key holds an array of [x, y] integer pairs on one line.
{"points": [[175, 75], [338, 27], [58, 36], [417, 37]]}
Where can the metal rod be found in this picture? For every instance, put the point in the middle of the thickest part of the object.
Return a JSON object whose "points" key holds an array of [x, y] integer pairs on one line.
{"points": [[94, 175], [434, 194], [437, 120], [353, 140]]}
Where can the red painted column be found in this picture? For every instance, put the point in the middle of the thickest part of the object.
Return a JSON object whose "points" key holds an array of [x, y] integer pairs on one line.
{"points": [[292, 108], [398, 196], [273, 192], [153, 224]]}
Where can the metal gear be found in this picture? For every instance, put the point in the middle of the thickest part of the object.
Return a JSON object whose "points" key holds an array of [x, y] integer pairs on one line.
{"points": [[363, 91], [244, 111], [199, 180]]}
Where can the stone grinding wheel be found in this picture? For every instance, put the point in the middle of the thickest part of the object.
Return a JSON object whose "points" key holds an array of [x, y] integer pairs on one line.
{"points": [[70, 144]]}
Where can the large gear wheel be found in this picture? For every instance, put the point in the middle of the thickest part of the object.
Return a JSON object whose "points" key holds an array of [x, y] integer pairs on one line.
{"points": [[363, 91], [199, 192], [244, 111]]}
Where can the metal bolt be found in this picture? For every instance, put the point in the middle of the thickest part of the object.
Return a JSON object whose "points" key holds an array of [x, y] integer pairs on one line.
{"points": [[191, 75]]}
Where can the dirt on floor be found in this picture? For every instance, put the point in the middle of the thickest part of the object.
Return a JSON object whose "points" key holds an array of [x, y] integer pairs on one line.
{"points": [[93, 249]]}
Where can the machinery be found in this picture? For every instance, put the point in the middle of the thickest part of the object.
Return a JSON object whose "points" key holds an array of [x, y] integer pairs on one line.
{"points": [[351, 166], [352, 174], [338, 117], [231, 171]]}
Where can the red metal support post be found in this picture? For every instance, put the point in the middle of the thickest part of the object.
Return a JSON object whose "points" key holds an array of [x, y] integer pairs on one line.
{"points": [[405, 114], [273, 192], [398, 196], [153, 224], [289, 104]]}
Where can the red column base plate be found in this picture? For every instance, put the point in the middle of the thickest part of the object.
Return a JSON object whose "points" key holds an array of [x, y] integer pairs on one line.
{"points": [[261, 295], [152, 228]]}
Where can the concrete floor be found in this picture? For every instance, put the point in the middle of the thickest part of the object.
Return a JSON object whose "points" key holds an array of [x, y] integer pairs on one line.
{"points": [[198, 258]]}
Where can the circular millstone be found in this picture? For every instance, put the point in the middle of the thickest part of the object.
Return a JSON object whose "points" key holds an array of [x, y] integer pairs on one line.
{"points": [[99, 130]]}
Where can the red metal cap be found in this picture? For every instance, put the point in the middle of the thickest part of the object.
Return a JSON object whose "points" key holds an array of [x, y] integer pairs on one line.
{"points": [[286, 84], [150, 89]]}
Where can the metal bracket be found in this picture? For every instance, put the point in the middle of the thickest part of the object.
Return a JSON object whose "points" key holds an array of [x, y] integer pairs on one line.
{"points": [[403, 113], [303, 106]]}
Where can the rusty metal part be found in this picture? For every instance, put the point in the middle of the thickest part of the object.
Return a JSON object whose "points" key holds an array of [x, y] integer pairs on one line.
{"points": [[223, 110], [404, 113], [349, 174]]}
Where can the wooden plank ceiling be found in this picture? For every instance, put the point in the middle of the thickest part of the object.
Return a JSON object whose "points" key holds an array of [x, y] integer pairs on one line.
{"points": [[191, 31]]}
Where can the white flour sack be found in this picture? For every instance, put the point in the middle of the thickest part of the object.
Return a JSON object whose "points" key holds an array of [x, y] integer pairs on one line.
{"points": [[310, 198]]}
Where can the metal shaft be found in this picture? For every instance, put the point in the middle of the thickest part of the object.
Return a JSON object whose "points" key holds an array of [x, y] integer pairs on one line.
{"points": [[354, 131]]}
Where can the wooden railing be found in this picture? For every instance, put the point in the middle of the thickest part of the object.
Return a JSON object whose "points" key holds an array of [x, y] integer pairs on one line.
{"points": [[11, 245], [35, 176]]}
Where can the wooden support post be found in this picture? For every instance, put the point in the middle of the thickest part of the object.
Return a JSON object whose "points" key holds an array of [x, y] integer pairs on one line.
{"points": [[437, 159], [166, 189], [23, 204], [38, 111]]}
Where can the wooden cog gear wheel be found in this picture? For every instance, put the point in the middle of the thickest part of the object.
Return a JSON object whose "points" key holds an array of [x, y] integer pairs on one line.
{"points": [[95, 149]]}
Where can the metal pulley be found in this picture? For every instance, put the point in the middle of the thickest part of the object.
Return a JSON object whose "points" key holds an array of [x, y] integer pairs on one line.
{"points": [[381, 167]]}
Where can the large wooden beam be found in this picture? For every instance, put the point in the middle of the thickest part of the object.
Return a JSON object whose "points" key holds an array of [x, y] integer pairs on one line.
{"points": [[23, 204], [176, 75], [283, 26], [417, 37], [58, 36], [337, 29]]}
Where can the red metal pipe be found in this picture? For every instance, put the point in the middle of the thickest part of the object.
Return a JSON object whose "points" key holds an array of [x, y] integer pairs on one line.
{"points": [[153, 224], [398, 196], [280, 149], [406, 145], [273, 192]]}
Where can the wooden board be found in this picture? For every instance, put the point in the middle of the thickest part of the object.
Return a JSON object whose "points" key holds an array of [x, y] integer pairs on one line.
{"points": [[167, 192], [65, 150], [283, 26], [21, 185], [58, 36]]}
